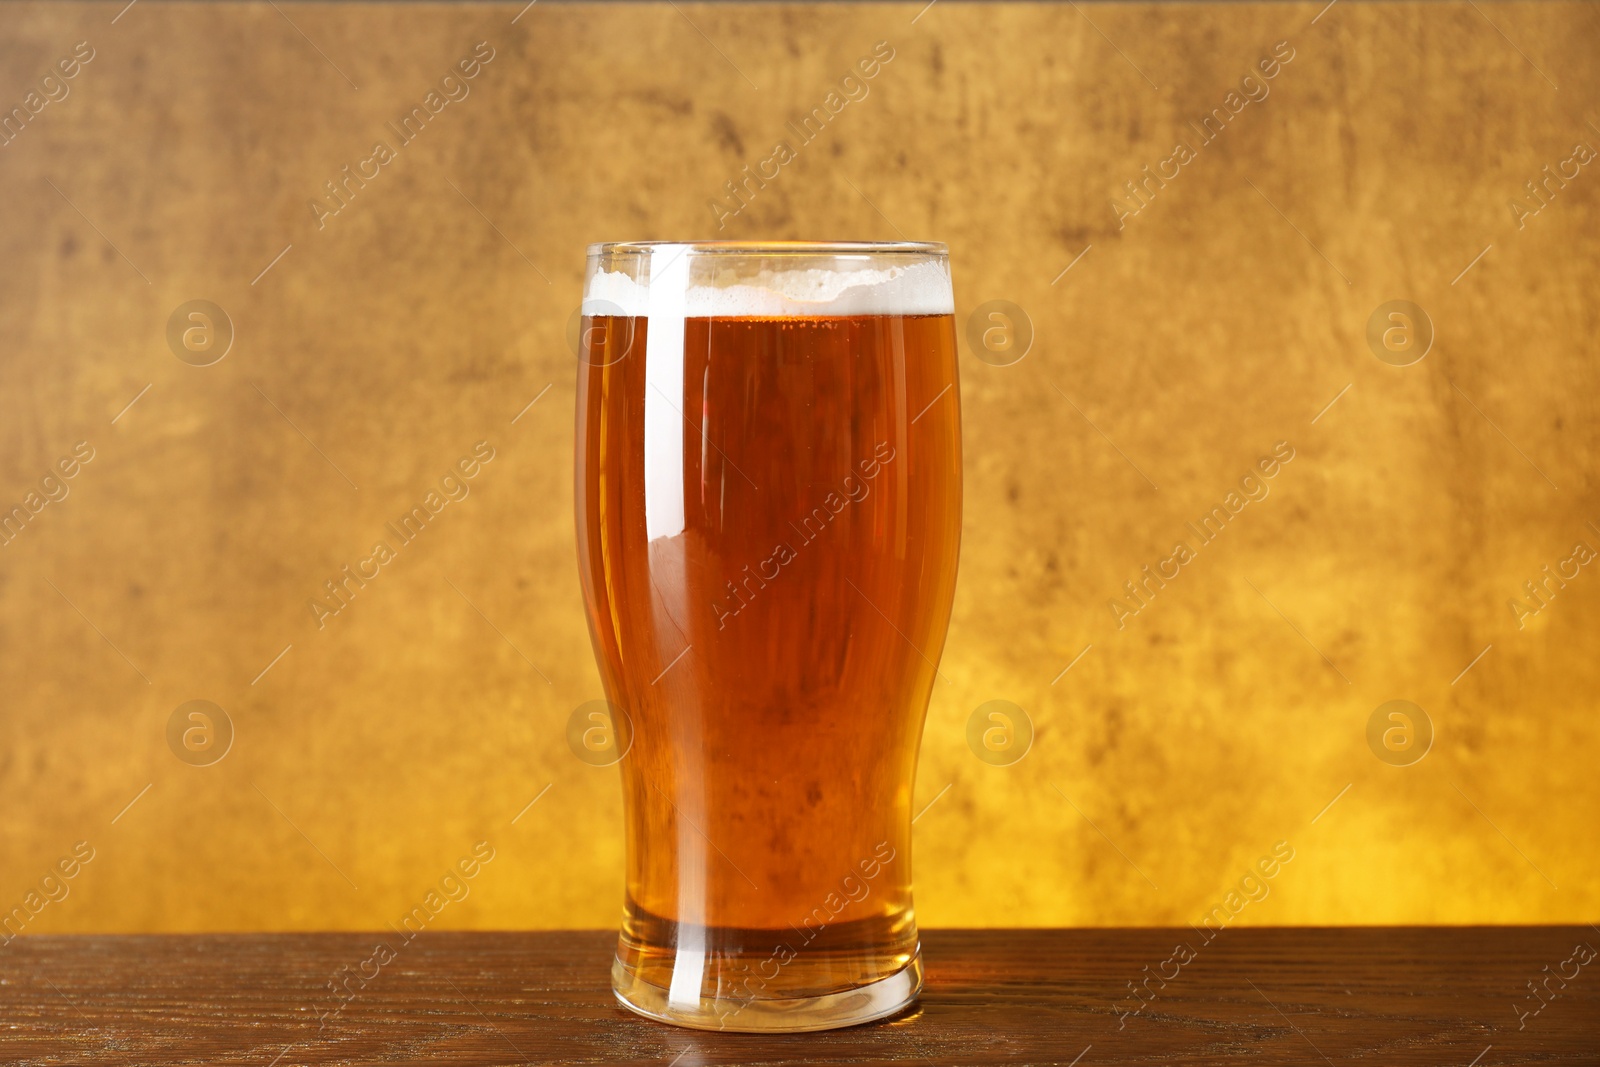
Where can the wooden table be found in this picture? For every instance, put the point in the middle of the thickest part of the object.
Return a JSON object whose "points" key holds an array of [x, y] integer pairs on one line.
{"points": [[1446, 997]]}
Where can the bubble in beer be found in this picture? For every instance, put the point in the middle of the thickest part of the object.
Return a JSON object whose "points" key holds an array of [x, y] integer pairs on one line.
{"points": [[1399, 733], [999, 733], [599, 733], [600, 343], [199, 332], [999, 332], [1399, 333], [199, 733]]}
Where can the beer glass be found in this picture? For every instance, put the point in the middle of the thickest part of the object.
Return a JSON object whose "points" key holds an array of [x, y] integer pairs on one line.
{"points": [[768, 487]]}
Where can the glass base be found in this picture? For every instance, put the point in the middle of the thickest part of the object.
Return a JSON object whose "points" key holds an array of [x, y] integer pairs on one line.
{"points": [[864, 1004]]}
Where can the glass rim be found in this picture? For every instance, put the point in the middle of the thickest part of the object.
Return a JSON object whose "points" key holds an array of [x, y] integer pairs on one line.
{"points": [[773, 248]]}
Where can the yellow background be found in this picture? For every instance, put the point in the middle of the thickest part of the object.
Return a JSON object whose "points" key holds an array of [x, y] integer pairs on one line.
{"points": [[1221, 319]]}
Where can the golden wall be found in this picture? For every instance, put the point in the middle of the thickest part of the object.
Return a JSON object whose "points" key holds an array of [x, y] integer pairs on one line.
{"points": [[1237, 309]]}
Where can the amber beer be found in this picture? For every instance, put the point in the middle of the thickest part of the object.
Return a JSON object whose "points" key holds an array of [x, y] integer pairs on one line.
{"points": [[769, 508]]}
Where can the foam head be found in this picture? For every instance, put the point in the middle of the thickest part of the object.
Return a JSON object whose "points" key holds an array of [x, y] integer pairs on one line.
{"points": [[921, 287]]}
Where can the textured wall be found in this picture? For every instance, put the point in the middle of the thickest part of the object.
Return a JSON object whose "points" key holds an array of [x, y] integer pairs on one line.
{"points": [[1188, 338]]}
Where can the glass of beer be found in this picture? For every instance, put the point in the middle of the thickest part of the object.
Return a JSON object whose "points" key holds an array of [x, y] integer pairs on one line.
{"points": [[769, 510]]}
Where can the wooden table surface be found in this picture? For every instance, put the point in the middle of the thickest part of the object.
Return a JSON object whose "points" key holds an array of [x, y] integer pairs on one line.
{"points": [[1384, 996]]}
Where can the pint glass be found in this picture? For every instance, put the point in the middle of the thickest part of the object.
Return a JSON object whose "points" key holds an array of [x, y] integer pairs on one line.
{"points": [[769, 508]]}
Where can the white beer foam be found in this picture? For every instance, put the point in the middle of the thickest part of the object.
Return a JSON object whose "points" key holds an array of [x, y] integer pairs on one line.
{"points": [[922, 288]]}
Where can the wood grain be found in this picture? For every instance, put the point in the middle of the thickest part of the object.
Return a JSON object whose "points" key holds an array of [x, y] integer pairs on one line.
{"points": [[1392, 996]]}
